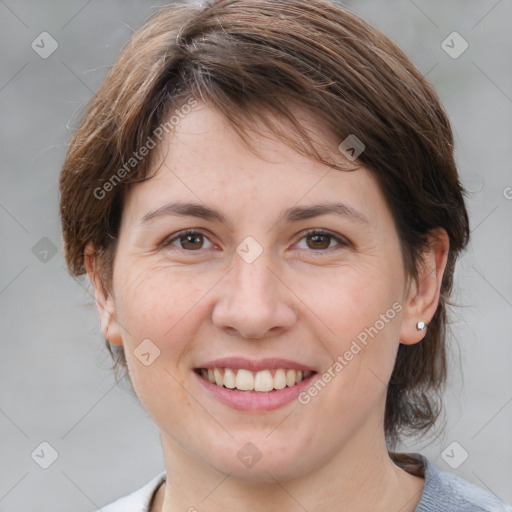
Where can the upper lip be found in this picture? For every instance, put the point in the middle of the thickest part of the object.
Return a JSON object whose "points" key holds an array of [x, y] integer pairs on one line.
{"points": [[255, 365]]}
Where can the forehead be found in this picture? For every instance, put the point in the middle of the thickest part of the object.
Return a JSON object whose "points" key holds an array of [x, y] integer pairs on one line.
{"points": [[206, 161]]}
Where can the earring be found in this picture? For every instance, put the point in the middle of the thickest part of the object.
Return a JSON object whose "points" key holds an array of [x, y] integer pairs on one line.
{"points": [[421, 325]]}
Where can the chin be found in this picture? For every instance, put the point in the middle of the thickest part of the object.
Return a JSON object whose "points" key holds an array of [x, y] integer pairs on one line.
{"points": [[261, 461]]}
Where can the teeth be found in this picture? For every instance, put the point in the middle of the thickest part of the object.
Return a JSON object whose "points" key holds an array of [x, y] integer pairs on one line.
{"points": [[229, 378], [280, 379], [263, 381], [246, 380], [290, 378], [218, 377]]}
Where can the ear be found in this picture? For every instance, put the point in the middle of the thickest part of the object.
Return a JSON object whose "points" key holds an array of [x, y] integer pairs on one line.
{"points": [[423, 293], [105, 301]]}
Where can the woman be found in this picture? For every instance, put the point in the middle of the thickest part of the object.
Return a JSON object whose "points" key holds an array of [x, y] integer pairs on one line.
{"points": [[264, 196]]}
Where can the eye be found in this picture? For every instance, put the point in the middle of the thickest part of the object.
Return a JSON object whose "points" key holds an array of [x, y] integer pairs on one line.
{"points": [[188, 240], [192, 240], [320, 240]]}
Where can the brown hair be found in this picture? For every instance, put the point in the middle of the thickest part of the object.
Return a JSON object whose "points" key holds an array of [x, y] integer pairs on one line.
{"points": [[251, 60]]}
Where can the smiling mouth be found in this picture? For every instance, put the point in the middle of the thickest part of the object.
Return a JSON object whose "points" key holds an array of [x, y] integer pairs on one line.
{"points": [[263, 381]]}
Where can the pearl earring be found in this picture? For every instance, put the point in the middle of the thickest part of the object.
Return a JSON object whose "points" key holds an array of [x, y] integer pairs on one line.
{"points": [[421, 325]]}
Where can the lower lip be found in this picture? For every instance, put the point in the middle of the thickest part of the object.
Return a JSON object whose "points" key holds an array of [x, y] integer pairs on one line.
{"points": [[255, 400]]}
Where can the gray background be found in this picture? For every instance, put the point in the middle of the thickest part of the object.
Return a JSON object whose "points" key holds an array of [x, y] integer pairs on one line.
{"points": [[55, 382]]}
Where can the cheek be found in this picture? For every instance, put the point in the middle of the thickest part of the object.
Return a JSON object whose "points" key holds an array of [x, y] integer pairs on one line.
{"points": [[157, 304], [362, 312], [159, 317], [350, 301]]}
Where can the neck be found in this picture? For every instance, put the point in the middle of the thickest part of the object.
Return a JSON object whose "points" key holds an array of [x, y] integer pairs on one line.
{"points": [[360, 477]]}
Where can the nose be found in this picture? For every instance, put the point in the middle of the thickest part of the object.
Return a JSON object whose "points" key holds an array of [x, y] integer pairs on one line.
{"points": [[254, 301]]}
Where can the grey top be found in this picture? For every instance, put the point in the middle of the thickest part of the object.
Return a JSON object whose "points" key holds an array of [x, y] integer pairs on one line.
{"points": [[443, 492], [446, 492]]}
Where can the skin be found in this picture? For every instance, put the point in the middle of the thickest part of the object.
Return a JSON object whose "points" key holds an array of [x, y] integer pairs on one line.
{"points": [[295, 301]]}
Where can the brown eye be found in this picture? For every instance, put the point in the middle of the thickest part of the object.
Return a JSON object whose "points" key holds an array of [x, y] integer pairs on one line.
{"points": [[321, 240], [189, 240]]}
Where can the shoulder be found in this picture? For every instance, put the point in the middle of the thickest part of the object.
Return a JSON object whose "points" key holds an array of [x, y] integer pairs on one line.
{"points": [[447, 492], [137, 501]]}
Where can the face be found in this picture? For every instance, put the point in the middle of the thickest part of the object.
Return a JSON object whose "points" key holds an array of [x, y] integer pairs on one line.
{"points": [[250, 287]]}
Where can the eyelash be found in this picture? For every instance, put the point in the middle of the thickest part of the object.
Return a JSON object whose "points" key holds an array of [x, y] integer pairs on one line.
{"points": [[342, 241]]}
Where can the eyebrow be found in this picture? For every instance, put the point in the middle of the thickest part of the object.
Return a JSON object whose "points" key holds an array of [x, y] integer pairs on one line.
{"points": [[293, 214]]}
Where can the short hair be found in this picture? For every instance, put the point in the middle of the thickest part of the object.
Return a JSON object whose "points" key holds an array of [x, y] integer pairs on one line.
{"points": [[251, 60]]}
